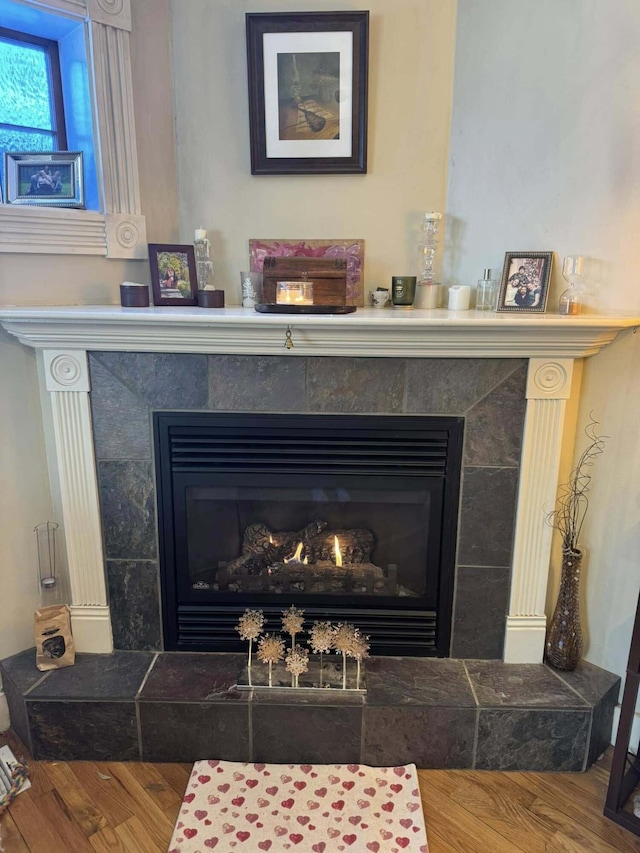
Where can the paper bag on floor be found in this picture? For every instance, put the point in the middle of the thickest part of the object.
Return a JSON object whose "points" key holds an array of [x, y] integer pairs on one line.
{"points": [[54, 642]]}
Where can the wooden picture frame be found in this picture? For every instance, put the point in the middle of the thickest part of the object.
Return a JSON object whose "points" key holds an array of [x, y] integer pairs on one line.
{"points": [[44, 178], [307, 75], [173, 274], [524, 286]]}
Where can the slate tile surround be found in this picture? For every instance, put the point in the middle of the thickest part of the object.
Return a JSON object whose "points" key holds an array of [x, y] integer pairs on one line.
{"points": [[489, 393], [438, 713]]}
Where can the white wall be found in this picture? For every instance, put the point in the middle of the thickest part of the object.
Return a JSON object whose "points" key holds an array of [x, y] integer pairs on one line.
{"points": [[410, 79], [545, 154]]}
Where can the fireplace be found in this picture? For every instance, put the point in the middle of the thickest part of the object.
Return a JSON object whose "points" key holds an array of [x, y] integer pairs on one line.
{"points": [[352, 517]]}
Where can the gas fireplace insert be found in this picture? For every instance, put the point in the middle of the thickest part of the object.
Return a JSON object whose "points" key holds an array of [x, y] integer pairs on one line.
{"points": [[352, 517]]}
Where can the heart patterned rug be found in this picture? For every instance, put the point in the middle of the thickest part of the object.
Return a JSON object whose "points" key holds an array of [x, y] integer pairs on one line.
{"points": [[306, 808]]}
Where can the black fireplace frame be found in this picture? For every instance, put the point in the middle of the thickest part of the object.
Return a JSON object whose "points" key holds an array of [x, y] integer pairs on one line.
{"points": [[403, 629]]}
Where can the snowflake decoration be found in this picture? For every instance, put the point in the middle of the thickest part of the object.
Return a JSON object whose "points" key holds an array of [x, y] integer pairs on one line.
{"points": [[359, 646], [321, 637], [297, 660], [270, 649], [344, 638], [292, 620], [251, 624]]}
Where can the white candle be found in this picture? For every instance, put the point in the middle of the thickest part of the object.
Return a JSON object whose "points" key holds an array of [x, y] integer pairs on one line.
{"points": [[201, 234], [459, 296]]}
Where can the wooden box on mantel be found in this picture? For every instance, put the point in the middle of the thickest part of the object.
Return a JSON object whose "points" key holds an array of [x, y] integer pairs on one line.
{"points": [[328, 276]]}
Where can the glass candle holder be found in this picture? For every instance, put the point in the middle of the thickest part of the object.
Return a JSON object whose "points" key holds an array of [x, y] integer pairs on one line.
{"points": [[428, 245], [294, 293]]}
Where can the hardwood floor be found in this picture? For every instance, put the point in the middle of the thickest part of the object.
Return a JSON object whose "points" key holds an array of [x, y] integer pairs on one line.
{"points": [[89, 807]]}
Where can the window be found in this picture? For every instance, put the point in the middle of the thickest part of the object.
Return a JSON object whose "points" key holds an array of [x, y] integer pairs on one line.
{"points": [[31, 107]]}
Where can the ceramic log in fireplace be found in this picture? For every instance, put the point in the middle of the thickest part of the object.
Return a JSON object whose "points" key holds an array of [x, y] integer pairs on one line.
{"points": [[352, 517]]}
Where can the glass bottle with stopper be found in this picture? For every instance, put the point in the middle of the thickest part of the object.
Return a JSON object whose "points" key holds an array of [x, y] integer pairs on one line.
{"points": [[572, 272], [486, 292]]}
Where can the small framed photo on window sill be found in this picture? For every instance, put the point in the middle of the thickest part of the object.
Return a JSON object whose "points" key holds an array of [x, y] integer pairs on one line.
{"points": [[47, 179]]}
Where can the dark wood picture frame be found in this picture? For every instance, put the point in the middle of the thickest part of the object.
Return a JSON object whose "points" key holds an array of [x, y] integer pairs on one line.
{"points": [[327, 132], [532, 271], [173, 271]]}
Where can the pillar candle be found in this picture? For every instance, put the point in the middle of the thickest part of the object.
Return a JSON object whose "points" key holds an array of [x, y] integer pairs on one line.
{"points": [[459, 296]]}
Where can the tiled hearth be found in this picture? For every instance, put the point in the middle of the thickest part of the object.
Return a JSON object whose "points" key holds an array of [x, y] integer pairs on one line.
{"points": [[437, 713]]}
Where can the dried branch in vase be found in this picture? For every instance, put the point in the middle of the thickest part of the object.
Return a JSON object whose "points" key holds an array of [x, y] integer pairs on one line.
{"points": [[250, 626], [297, 662], [270, 651]]}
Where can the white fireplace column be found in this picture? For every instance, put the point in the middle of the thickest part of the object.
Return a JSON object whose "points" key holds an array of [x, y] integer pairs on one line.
{"points": [[548, 389], [66, 378]]}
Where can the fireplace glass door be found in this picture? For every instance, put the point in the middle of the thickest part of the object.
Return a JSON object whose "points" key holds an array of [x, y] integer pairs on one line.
{"points": [[350, 517]]}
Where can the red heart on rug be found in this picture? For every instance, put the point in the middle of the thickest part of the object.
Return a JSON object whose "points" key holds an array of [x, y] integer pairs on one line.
{"points": [[237, 777], [364, 826], [242, 836], [387, 807], [259, 825], [296, 838], [314, 775], [287, 804], [189, 798], [252, 818], [332, 833], [204, 779], [237, 801], [213, 763], [396, 788], [373, 846], [355, 820], [349, 839], [399, 771], [370, 792], [299, 785], [403, 842], [348, 785], [264, 845], [224, 788], [219, 769], [303, 820], [415, 829], [320, 847], [363, 804], [306, 768], [321, 792], [272, 791], [381, 783], [361, 773], [210, 843], [199, 814], [212, 800], [353, 768], [262, 802], [224, 810], [311, 805], [334, 779], [415, 792], [311, 827], [207, 822], [413, 807], [190, 833], [227, 828], [339, 804], [406, 822], [251, 783], [285, 779], [259, 767], [385, 834], [281, 830]]}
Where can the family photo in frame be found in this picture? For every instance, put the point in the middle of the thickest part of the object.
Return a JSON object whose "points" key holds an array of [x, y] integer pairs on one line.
{"points": [[524, 286], [173, 274], [307, 76]]}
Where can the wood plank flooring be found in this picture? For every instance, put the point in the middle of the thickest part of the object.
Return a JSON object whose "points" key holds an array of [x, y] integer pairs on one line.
{"points": [[110, 807]]}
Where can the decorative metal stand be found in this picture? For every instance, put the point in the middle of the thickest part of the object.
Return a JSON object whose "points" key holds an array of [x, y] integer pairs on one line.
{"points": [[292, 669]]}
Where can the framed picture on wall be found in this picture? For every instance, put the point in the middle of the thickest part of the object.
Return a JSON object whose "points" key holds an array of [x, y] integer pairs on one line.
{"points": [[524, 286], [173, 274], [47, 179], [308, 92]]}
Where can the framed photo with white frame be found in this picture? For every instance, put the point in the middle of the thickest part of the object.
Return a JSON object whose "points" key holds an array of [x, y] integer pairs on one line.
{"points": [[307, 76], [524, 286]]}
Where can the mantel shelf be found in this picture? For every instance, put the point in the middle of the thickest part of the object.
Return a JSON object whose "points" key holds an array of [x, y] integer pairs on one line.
{"points": [[368, 332]]}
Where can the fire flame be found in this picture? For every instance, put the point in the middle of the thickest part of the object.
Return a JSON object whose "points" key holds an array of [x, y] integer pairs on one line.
{"points": [[297, 555], [337, 552]]}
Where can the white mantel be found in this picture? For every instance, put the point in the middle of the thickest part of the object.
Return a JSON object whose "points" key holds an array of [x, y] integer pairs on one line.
{"points": [[551, 343], [368, 332]]}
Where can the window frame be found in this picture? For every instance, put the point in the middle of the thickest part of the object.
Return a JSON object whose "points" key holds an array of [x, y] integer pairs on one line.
{"points": [[55, 82], [118, 229]]}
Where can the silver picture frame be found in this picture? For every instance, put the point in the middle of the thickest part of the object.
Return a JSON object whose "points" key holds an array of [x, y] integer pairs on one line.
{"points": [[44, 178]]}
